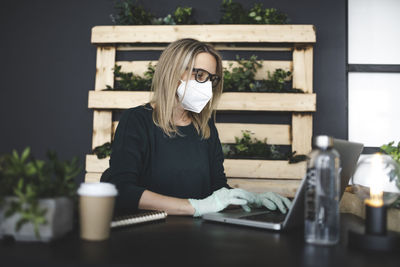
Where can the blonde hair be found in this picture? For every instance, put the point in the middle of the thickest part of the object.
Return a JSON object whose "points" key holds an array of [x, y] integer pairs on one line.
{"points": [[178, 57]]}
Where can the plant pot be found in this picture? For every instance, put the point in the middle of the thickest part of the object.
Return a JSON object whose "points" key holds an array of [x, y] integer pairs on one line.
{"points": [[59, 217]]}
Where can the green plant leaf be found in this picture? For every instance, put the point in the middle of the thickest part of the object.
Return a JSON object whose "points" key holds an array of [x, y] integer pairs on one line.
{"points": [[20, 223], [25, 154], [15, 155], [131, 13]]}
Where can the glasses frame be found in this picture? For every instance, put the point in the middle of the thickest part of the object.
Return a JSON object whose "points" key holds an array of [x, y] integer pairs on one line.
{"points": [[211, 77]]}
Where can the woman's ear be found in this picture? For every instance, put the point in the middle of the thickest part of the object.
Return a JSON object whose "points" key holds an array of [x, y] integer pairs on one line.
{"points": [[184, 76]]}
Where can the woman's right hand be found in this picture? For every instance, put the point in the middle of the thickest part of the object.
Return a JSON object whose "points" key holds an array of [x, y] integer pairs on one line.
{"points": [[219, 200]]}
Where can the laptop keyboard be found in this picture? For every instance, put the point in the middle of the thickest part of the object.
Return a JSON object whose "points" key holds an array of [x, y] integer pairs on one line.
{"points": [[271, 216]]}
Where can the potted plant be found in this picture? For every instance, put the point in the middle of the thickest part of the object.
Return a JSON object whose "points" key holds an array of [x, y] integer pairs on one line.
{"points": [[394, 152], [36, 196]]}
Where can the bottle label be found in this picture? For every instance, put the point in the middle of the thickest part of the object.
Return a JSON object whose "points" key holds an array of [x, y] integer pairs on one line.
{"points": [[310, 194]]}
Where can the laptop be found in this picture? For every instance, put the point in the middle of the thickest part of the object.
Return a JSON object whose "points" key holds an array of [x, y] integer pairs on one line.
{"points": [[275, 220]]}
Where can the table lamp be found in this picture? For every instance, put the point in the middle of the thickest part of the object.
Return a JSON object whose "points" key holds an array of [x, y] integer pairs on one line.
{"points": [[377, 182]]}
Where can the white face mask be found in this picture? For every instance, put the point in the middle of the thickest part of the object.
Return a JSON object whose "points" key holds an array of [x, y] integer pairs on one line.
{"points": [[196, 96]]}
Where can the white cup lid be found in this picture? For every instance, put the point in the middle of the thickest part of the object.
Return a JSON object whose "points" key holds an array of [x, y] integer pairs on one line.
{"points": [[97, 189]]}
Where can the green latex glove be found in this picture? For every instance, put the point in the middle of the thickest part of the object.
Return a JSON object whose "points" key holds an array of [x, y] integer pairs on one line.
{"points": [[219, 200], [270, 200]]}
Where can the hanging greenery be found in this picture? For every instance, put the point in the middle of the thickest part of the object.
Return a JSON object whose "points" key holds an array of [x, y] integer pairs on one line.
{"points": [[127, 81], [276, 83], [259, 15], [242, 78], [244, 147], [103, 151], [248, 147], [130, 12], [236, 79], [235, 13]]}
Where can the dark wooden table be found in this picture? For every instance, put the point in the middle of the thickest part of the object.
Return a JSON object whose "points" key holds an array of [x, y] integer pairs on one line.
{"points": [[184, 241]]}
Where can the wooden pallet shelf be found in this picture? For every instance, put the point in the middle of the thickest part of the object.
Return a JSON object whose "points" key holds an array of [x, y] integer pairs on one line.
{"points": [[205, 33], [253, 175], [229, 101]]}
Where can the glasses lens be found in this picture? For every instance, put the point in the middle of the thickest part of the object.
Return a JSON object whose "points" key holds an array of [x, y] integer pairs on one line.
{"points": [[215, 81], [201, 76]]}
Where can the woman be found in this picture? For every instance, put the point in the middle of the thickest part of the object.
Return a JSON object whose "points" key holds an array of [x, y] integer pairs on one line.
{"points": [[166, 155]]}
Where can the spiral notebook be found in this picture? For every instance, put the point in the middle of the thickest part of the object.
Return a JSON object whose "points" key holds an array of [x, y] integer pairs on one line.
{"points": [[141, 217]]}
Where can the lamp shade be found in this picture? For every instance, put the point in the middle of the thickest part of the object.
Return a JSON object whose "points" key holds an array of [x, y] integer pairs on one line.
{"points": [[377, 177]]}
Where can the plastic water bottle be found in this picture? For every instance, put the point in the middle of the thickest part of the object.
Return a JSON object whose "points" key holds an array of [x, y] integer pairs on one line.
{"points": [[322, 193]]}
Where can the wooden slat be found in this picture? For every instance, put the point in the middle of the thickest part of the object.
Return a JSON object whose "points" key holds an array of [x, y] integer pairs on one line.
{"points": [[303, 68], [206, 33], [117, 99], [102, 120], [124, 47], [302, 79], [287, 188], [139, 67], [105, 61], [252, 48], [229, 101], [267, 102], [217, 47], [277, 134], [102, 127], [277, 169], [302, 126], [92, 177], [93, 164]]}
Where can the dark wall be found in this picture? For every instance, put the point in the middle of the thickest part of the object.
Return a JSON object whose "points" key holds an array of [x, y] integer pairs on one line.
{"points": [[48, 67]]}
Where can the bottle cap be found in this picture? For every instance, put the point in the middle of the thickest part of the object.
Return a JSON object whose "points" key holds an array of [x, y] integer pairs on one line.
{"points": [[323, 141]]}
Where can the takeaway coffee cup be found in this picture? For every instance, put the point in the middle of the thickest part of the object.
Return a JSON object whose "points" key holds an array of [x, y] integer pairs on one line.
{"points": [[96, 206]]}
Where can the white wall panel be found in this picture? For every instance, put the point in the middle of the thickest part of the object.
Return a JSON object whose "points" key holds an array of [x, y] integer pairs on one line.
{"points": [[374, 108], [374, 31]]}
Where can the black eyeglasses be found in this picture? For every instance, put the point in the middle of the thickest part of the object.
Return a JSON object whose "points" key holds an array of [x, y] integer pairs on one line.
{"points": [[202, 76]]}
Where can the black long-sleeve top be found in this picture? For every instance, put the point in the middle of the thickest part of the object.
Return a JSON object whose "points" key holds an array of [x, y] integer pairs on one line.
{"points": [[144, 157]]}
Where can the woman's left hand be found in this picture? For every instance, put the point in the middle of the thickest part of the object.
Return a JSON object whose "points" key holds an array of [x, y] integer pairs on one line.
{"points": [[270, 200]]}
